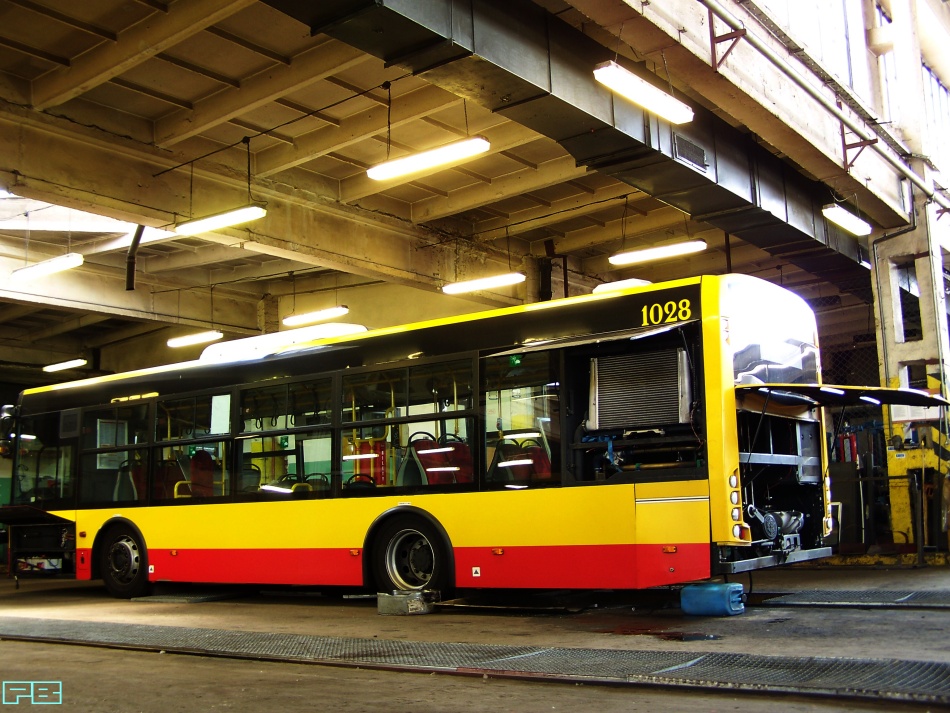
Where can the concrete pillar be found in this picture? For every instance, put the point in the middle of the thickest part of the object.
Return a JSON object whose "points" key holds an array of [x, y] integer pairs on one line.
{"points": [[267, 315], [915, 252]]}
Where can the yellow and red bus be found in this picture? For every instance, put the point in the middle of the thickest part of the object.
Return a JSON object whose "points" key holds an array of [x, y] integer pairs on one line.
{"points": [[649, 436]]}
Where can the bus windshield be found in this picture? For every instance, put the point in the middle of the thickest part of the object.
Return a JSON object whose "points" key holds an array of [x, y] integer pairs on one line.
{"points": [[772, 333]]}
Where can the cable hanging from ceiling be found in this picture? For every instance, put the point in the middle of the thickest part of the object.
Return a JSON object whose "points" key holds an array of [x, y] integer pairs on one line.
{"points": [[264, 132], [251, 210]]}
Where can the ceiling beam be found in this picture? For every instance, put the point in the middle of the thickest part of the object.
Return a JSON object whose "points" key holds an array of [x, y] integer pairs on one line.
{"points": [[306, 68], [633, 226], [120, 335], [142, 41], [477, 195], [254, 275], [408, 107], [89, 27], [205, 256], [577, 206], [126, 181], [10, 312], [67, 325], [100, 292]]}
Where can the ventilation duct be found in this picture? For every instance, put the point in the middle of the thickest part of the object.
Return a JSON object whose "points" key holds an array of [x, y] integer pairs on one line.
{"points": [[516, 59]]}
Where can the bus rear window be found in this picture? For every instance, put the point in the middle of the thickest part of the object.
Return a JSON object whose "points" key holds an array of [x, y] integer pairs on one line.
{"points": [[772, 333]]}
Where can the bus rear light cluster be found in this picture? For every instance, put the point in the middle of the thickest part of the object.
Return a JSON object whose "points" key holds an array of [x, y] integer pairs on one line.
{"points": [[733, 481], [742, 532], [734, 497], [736, 514]]}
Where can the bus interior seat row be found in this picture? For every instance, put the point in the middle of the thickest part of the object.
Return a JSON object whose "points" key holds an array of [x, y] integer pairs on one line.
{"points": [[525, 461], [432, 461]]}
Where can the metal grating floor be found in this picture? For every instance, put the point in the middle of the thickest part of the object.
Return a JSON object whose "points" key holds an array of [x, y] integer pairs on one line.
{"points": [[863, 598], [917, 681]]}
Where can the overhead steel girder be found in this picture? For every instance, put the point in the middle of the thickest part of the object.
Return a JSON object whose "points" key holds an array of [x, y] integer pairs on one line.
{"points": [[518, 60]]}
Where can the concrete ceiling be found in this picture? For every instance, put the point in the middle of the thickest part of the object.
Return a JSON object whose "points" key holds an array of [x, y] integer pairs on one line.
{"points": [[151, 111]]}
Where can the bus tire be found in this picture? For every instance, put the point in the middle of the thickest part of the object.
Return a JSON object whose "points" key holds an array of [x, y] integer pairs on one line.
{"points": [[410, 555], [123, 562]]}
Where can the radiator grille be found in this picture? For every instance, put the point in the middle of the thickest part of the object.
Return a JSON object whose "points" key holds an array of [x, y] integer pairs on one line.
{"points": [[639, 390]]}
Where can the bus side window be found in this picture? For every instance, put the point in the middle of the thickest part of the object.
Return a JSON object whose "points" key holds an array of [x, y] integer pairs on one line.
{"points": [[100, 477], [46, 462], [193, 417], [197, 470], [522, 417], [288, 465]]}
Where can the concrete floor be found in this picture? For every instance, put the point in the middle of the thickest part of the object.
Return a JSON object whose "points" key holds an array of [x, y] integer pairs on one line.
{"points": [[101, 679]]}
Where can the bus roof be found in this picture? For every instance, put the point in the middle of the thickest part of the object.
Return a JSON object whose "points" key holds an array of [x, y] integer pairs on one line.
{"points": [[511, 326]]}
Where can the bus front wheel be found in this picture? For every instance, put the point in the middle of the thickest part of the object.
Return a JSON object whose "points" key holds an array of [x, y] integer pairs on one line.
{"points": [[124, 563], [410, 555]]}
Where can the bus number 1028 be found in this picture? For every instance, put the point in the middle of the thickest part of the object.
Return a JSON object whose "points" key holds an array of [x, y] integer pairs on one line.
{"points": [[666, 313]]}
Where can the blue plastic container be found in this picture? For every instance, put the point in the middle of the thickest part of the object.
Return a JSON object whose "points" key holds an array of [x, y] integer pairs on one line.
{"points": [[712, 599]]}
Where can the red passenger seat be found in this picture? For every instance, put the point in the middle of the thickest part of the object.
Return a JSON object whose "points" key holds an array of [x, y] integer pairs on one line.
{"points": [[433, 465], [167, 473], [540, 462], [202, 475], [461, 456]]}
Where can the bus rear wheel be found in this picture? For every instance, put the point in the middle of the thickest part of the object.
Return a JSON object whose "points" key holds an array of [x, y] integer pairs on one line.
{"points": [[410, 555], [123, 563]]}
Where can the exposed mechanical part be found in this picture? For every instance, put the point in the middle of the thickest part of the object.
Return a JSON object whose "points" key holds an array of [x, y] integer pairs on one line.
{"points": [[780, 527]]}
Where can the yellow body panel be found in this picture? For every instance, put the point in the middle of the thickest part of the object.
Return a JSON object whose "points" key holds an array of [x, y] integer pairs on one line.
{"points": [[606, 515], [669, 513]]}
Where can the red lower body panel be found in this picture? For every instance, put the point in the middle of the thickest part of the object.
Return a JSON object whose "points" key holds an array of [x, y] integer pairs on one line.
{"points": [[291, 566], [539, 567], [581, 566]]}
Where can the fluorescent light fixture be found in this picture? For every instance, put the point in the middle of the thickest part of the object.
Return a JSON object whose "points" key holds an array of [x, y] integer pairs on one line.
{"points": [[642, 93], [846, 220], [47, 267], [515, 462], [72, 363], [265, 344], [632, 257], [443, 449], [433, 158], [443, 469], [620, 285], [296, 320], [524, 434], [276, 488], [192, 339], [832, 390], [361, 456], [870, 400], [483, 283], [236, 216]]}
